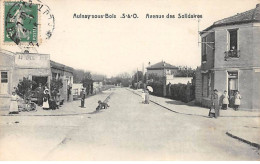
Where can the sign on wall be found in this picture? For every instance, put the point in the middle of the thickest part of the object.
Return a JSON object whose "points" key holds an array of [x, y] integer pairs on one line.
{"points": [[32, 60]]}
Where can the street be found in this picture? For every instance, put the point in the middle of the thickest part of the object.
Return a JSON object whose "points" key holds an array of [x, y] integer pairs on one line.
{"points": [[127, 130]]}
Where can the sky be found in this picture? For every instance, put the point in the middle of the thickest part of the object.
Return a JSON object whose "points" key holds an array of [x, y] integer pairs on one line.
{"points": [[113, 46]]}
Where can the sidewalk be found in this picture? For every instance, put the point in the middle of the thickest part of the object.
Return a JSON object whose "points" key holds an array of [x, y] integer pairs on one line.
{"points": [[246, 134], [191, 109], [69, 108]]}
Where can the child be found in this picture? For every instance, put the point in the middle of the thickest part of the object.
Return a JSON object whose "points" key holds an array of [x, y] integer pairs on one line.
{"points": [[225, 100], [102, 105], [14, 105]]}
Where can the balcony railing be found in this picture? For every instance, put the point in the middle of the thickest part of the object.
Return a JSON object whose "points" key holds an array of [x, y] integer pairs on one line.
{"points": [[232, 54]]}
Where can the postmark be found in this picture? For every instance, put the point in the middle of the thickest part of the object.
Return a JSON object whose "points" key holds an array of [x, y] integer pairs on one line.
{"points": [[27, 23]]}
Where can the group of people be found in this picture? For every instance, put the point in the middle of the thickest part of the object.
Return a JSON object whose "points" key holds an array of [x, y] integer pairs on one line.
{"points": [[145, 96], [215, 103], [43, 100], [43, 97]]}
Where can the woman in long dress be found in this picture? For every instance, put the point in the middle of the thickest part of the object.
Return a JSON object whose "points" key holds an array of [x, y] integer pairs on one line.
{"points": [[46, 99], [225, 101], [237, 100], [14, 105]]}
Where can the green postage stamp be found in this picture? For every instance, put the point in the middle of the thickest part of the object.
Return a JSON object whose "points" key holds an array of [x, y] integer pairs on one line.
{"points": [[21, 22], [26, 22]]}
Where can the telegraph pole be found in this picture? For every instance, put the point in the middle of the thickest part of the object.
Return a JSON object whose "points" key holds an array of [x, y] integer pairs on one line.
{"points": [[137, 78]]}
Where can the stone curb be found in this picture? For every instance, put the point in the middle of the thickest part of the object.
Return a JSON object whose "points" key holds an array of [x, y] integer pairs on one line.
{"points": [[227, 133], [243, 140]]}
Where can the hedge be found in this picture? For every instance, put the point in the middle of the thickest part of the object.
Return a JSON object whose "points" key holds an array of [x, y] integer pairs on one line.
{"points": [[182, 92], [157, 88]]}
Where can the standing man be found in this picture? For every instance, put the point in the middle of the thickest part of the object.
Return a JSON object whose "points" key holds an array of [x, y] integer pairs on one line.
{"points": [[40, 94], [215, 102], [82, 96]]}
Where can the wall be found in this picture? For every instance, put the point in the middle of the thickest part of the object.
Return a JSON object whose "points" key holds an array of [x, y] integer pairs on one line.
{"points": [[6, 64], [176, 80], [198, 86], [210, 52], [256, 89], [158, 72], [245, 45], [256, 43]]}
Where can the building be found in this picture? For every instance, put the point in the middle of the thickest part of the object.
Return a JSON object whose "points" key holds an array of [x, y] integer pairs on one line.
{"points": [[37, 67], [65, 73], [76, 89], [230, 56], [162, 69], [15, 66]]}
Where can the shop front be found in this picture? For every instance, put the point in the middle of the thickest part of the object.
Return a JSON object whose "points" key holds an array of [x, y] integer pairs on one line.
{"points": [[16, 66]]}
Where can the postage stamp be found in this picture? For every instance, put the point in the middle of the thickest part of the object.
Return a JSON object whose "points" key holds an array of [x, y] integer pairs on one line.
{"points": [[27, 23], [21, 21]]}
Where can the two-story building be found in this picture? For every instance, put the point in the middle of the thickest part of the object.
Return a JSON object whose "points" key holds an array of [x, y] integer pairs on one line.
{"points": [[163, 69], [230, 56]]}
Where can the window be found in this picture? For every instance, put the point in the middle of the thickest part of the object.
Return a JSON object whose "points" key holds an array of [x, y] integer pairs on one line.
{"points": [[204, 49], [233, 39], [4, 83], [4, 77], [233, 51]]}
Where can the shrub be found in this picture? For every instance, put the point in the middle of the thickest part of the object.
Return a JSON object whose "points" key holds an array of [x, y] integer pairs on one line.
{"points": [[24, 88], [157, 88]]}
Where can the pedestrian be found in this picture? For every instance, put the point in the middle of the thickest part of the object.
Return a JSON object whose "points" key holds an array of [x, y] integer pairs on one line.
{"points": [[225, 101], [46, 99], [237, 100], [14, 105], [215, 104], [39, 92], [82, 96], [143, 96], [146, 97]]}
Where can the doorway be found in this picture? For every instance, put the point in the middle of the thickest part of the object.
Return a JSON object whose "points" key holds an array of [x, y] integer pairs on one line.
{"points": [[232, 86], [39, 79]]}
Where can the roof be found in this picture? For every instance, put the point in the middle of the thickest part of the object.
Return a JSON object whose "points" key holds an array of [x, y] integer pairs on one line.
{"points": [[6, 52], [249, 16], [161, 65], [61, 66]]}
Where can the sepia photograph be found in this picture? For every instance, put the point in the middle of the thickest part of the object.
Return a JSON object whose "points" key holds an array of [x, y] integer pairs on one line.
{"points": [[129, 80]]}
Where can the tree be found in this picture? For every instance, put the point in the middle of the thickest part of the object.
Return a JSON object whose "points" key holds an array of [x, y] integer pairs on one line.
{"points": [[87, 82], [78, 75], [139, 77], [24, 88], [56, 85], [185, 71], [155, 78]]}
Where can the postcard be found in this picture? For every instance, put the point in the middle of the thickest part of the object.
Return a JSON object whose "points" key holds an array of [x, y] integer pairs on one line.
{"points": [[133, 80]]}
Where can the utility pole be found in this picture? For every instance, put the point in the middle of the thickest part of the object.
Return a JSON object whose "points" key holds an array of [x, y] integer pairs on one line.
{"points": [[143, 77], [137, 78]]}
